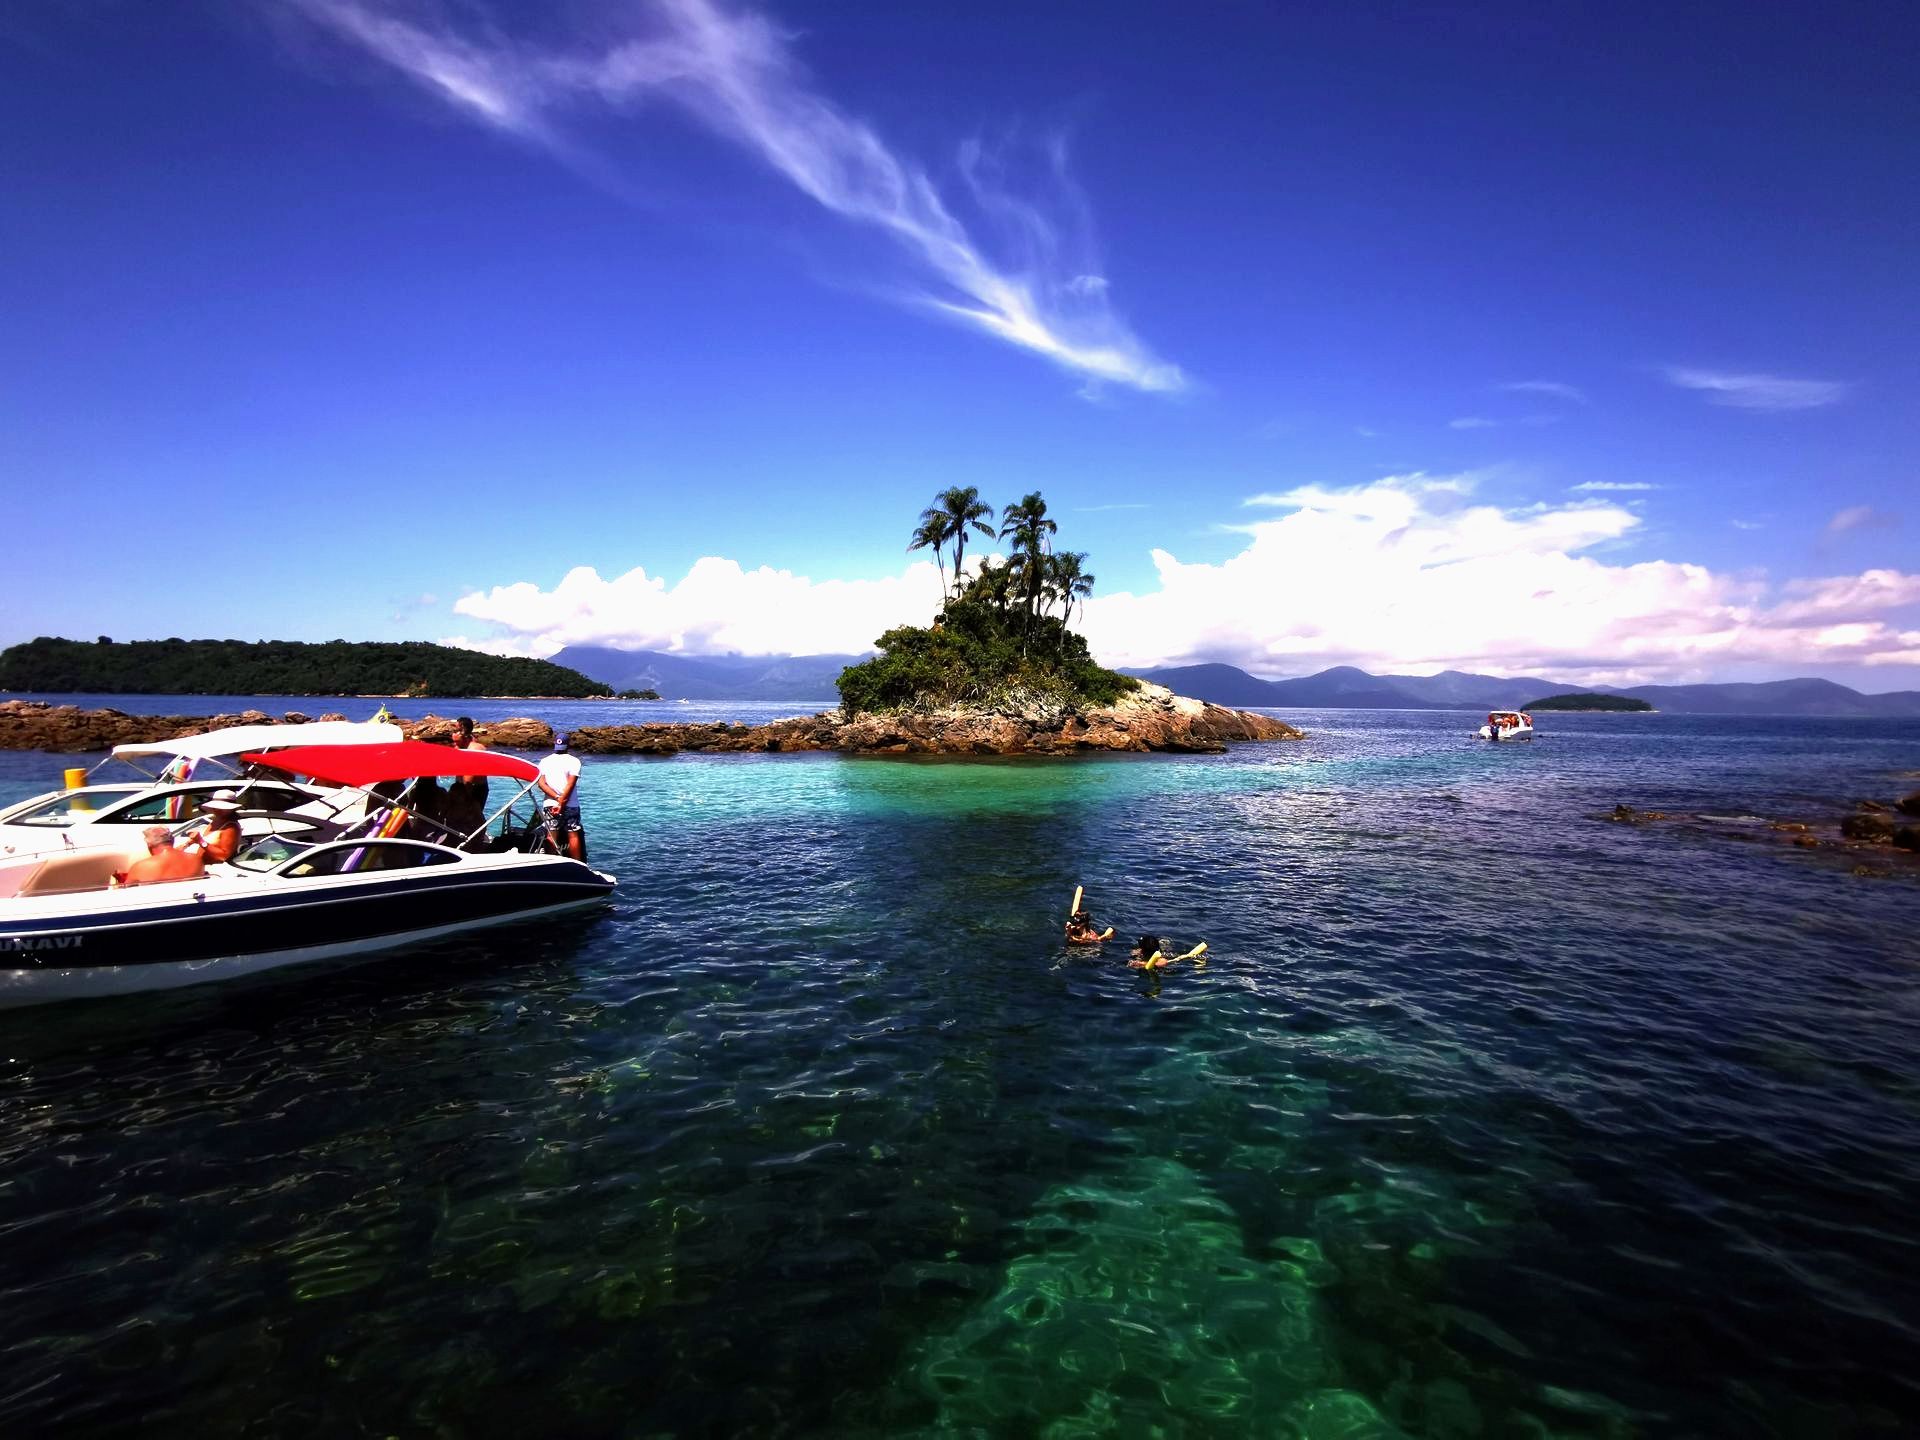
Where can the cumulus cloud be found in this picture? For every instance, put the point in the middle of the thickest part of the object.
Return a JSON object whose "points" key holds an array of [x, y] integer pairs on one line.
{"points": [[1408, 573], [1412, 573], [734, 73], [1757, 392], [718, 607]]}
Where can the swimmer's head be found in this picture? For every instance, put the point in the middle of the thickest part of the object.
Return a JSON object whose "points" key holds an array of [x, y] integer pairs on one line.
{"points": [[1149, 944]]}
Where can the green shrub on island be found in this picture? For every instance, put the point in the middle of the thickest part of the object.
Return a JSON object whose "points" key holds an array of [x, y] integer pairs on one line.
{"points": [[1621, 703], [281, 667], [996, 642], [638, 695]]}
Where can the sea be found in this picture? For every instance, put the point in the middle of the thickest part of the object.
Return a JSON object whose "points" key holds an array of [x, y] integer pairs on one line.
{"points": [[1485, 1116]]}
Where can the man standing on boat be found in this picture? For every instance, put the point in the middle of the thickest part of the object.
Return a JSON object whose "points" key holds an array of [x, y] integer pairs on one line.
{"points": [[559, 781]]}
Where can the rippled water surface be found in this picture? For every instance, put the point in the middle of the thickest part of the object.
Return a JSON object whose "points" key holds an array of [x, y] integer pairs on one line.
{"points": [[1485, 1118]]}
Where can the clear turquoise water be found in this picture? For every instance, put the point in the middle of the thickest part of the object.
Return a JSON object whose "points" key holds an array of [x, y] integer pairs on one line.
{"points": [[1486, 1118]]}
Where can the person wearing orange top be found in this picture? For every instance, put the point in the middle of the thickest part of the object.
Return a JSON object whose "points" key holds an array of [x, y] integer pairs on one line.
{"points": [[217, 835]]}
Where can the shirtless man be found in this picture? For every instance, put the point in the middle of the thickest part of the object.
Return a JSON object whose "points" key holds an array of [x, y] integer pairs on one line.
{"points": [[163, 862]]}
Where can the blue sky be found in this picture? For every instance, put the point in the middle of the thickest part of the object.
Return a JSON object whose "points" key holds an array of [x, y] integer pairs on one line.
{"points": [[417, 310]]}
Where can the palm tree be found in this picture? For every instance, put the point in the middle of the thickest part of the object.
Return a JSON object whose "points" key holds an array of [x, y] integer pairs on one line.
{"points": [[963, 510], [1027, 525], [993, 584], [931, 531], [954, 512], [1071, 581]]}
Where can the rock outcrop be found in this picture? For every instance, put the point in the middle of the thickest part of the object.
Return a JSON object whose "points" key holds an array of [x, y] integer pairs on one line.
{"points": [[1874, 831], [67, 729], [1151, 718]]}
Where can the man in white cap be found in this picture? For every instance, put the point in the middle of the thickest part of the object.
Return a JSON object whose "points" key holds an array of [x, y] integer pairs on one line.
{"points": [[217, 835], [559, 779]]}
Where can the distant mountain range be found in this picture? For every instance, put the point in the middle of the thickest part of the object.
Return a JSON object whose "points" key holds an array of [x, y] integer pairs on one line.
{"points": [[1345, 686], [710, 677], [812, 677]]}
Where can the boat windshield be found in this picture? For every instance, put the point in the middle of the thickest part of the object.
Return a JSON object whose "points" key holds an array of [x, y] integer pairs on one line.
{"points": [[268, 852], [72, 807]]}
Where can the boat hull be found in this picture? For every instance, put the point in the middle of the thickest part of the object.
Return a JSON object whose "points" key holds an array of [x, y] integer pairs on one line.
{"points": [[1505, 732], [70, 953]]}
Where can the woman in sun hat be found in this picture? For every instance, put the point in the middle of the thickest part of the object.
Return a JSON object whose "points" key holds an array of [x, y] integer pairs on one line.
{"points": [[217, 835]]}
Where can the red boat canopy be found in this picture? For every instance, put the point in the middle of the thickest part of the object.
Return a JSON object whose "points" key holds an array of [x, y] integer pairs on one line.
{"points": [[397, 760]]}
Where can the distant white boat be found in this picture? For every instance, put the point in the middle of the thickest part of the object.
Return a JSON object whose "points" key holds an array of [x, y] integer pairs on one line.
{"points": [[1507, 725]]}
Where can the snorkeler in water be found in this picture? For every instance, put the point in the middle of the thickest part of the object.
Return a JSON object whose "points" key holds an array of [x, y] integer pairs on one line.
{"points": [[1080, 930], [1080, 927], [1151, 954]]}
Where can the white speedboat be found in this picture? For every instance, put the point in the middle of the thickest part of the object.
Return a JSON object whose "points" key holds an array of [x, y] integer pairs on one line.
{"points": [[1507, 725], [175, 777], [378, 882]]}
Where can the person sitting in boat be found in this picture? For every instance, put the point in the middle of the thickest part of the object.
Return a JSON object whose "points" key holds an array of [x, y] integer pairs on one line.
{"points": [[163, 862], [217, 835], [1080, 930]]}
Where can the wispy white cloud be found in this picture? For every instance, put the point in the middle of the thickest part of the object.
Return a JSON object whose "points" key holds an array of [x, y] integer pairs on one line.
{"points": [[1851, 518], [1573, 394], [1472, 422], [1748, 524], [1757, 392], [1615, 485], [1860, 517], [1101, 509], [735, 73]]}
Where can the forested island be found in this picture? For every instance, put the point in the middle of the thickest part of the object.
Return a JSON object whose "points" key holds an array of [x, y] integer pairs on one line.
{"points": [[1619, 703], [281, 667], [995, 642]]}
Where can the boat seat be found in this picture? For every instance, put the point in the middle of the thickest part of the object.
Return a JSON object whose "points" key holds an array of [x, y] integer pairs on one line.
{"points": [[66, 874]]}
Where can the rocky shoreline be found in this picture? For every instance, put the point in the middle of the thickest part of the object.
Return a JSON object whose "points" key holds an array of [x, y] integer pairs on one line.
{"points": [[1150, 719]]}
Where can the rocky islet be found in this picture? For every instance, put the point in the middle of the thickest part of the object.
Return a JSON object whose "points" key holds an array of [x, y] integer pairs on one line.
{"points": [[1149, 719]]}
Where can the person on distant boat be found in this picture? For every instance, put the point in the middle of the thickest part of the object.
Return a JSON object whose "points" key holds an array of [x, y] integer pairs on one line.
{"points": [[1080, 930], [163, 862], [464, 806], [217, 835], [559, 781]]}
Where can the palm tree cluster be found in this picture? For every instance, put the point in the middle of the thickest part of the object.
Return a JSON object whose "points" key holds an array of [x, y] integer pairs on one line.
{"points": [[1030, 582]]}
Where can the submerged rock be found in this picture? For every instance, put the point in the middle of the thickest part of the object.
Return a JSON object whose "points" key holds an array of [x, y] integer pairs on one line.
{"points": [[1874, 829]]}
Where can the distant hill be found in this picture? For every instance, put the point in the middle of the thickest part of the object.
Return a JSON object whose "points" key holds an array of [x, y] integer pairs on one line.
{"points": [[711, 677], [1344, 686], [280, 667], [1776, 697]]}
